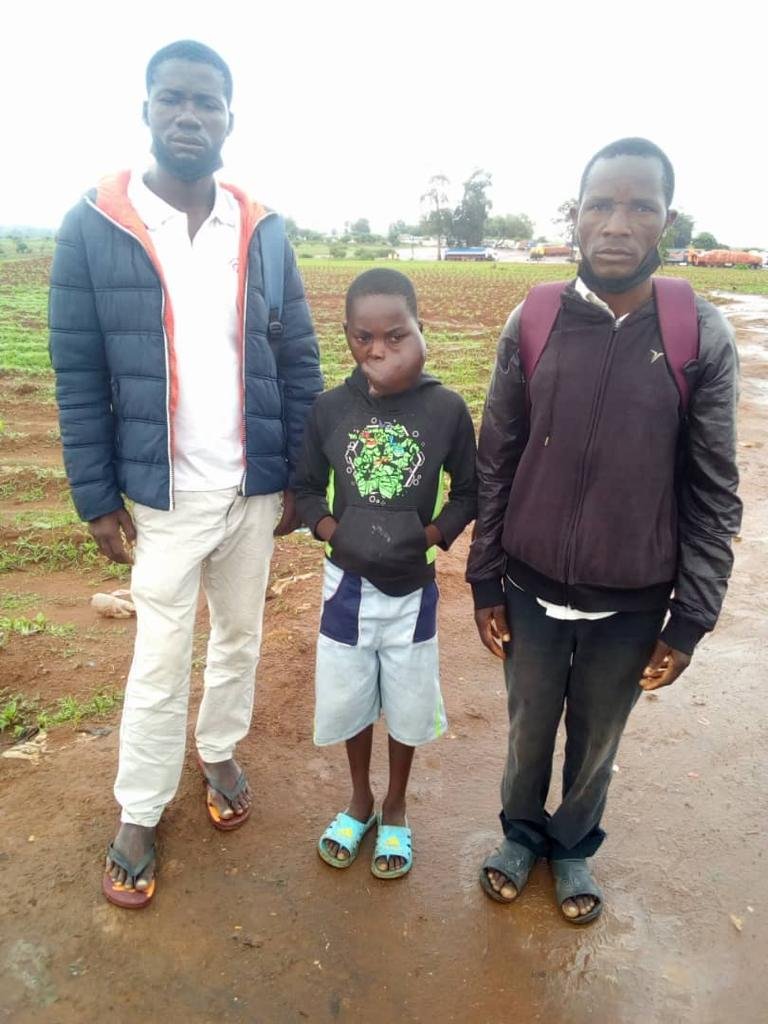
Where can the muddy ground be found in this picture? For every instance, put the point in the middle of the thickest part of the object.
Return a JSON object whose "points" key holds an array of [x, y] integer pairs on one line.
{"points": [[253, 927]]}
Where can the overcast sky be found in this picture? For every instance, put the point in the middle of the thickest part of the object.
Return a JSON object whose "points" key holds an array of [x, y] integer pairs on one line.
{"points": [[345, 109]]}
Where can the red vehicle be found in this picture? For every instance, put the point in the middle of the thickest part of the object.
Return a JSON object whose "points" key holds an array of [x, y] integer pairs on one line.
{"points": [[726, 258]]}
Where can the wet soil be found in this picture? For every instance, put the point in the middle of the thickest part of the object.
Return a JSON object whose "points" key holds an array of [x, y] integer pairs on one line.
{"points": [[253, 927]]}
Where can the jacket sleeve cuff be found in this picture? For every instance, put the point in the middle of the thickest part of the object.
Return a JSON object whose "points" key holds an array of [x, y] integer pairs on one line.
{"points": [[449, 529], [488, 593], [682, 634], [311, 511]]}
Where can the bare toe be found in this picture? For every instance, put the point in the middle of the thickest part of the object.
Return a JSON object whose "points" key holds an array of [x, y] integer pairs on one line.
{"points": [[585, 904], [501, 884], [570, 908]]}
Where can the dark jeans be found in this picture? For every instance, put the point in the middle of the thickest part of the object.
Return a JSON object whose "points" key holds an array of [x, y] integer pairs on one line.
{"points": [[592, 667]]}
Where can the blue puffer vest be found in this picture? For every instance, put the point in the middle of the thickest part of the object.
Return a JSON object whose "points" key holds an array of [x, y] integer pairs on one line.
{"points": [[111, 345]]}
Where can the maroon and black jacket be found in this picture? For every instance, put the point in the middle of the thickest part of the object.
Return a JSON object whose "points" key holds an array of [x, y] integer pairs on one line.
{"points": [[595, 491]]}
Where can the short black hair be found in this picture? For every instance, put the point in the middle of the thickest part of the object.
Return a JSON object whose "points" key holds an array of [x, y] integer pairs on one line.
{"points": [[635, 147], [382, 281], [188, 49]]}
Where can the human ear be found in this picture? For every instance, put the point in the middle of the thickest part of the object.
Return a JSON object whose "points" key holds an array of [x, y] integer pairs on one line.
{"points": [[145, 112], [231, 124], [671, 218]]}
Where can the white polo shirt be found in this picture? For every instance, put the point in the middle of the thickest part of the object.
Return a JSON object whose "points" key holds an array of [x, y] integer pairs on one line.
{"points": [[202, 281]]}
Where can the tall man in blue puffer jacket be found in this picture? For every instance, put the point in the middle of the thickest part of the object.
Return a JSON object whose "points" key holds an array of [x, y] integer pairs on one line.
{"points": [[172, 392]]}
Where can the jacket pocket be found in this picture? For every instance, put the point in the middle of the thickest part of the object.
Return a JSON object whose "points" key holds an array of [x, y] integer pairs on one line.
{"points": [[376, 542]]}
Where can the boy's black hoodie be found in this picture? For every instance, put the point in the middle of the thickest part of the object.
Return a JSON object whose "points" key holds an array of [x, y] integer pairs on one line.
{"points": [[377, 466]]}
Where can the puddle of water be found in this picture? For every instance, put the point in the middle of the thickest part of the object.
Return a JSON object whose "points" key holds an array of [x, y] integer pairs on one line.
{"points": [[751, 351], [745, 307]]}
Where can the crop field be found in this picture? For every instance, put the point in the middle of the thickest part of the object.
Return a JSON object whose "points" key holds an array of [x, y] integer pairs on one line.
{"points": [[47, 559], [463, 307]]}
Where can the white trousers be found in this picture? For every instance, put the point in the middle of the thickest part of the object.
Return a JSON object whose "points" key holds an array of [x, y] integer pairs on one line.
{"points": [[226, 540]]}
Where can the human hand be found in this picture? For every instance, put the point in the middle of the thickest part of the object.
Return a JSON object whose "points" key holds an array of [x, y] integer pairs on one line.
{"points": [[665, 665], [115, 535], [433, 535], [289, 520], [326, 528], [493, 629]]}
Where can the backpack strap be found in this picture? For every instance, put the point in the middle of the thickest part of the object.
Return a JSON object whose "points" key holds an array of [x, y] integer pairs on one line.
{"points": [[272, 244], [537, 318], [679, 326]]}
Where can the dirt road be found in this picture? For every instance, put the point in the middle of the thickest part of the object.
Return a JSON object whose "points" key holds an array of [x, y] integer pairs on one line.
{"points": [[253, 927]]}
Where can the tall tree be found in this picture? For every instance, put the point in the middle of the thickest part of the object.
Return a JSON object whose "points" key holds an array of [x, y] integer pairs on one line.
{"points": [[510, 225], [360, 229], [705, 240], [396, 230], [471, 214], [564, 222], [678, 235], [437, 197]]}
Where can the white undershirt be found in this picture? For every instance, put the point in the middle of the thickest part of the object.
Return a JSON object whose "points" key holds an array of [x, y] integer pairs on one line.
{"points": [[201, 276], [563, 611]]}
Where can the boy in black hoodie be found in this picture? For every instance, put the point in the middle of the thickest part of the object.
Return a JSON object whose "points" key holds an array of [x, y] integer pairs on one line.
{"points": [[370, 486]]}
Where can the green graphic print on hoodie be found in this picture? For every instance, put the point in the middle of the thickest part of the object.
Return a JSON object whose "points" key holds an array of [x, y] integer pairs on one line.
{"points": [[378, 466]]}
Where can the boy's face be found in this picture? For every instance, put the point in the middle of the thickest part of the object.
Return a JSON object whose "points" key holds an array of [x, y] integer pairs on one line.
{"points": [[385, 339]]}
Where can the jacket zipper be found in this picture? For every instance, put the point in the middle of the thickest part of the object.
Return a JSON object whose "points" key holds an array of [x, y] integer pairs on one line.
{"points": [[165, 348], [594, 419]]}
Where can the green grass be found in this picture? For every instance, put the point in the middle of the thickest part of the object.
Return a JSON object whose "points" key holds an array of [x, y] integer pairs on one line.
{"points": [[46, 519], [71, 552], [19, 714], [471, 294], [23, 626], [30, 483], [14, 602]]}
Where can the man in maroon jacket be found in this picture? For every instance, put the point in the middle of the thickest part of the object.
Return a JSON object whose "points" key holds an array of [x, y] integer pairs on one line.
{"points": [[607, 503]]}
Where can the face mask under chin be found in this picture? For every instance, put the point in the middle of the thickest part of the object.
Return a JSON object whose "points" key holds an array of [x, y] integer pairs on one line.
{"points": [[186, 170], [616, 285]]}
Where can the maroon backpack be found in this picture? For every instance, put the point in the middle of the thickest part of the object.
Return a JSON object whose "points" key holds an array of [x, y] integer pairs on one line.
{"points": [[675, 307]]}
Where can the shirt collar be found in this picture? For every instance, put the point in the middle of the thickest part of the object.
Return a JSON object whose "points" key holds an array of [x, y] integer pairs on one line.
{"points": [[155, 212], [589, 296]]}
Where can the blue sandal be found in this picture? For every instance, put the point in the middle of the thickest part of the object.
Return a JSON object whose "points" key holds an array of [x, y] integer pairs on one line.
{"points": [[393, 841], [347, 832]]}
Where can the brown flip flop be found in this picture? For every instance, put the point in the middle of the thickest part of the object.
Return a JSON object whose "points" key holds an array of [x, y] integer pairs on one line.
{"points": [[225, 824], [128, 896]]}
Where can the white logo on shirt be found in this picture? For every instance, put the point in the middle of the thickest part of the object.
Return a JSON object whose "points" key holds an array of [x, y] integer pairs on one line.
{"points": [[655, 355]]}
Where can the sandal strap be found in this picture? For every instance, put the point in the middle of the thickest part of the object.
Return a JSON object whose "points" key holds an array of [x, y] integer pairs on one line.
{"points": [[132, 870], [394, 841], [229, 794], [573, 878], [346, 831], [512, 860]]}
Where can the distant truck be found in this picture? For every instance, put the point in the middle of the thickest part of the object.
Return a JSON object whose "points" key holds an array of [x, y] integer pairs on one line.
{"points": [[681, 257], [538, 252], [472, 254], [725, 258]]}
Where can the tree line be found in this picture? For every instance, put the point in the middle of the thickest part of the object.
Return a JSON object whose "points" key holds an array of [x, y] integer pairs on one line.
{"points": [[470, 223]]}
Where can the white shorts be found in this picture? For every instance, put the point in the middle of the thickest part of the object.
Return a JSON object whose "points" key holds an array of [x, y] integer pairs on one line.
{"points": [[377, 654]]}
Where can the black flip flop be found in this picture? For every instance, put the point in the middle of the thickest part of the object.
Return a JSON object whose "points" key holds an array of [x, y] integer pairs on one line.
{"points": [[573, 878], [512, 860]]}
